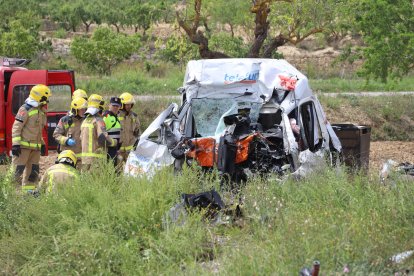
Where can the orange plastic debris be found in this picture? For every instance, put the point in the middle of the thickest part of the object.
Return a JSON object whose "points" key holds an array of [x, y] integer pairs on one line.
{"points": [[204, 151]]}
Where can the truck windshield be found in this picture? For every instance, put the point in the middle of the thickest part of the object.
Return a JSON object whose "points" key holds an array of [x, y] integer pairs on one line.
{"points": [[209, 113]]}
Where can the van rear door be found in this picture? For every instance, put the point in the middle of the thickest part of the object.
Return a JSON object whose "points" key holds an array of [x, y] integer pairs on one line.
{"points": [[61, 83]]}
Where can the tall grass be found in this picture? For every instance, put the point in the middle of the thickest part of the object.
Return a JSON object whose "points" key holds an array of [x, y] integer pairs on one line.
{"points": [[109, 224], [136, 78], [360, 85]]}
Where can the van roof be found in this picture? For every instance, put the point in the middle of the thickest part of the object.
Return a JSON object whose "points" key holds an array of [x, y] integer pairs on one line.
{"points": [[254, 79]]}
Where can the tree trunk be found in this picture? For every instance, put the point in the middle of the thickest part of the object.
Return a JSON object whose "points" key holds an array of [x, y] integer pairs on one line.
{"points": [[205, 52], [87, 27], [197, 36], [117, 27], [276, 42], [262, 10], [136, 29], [66, 26], [232, 30]]}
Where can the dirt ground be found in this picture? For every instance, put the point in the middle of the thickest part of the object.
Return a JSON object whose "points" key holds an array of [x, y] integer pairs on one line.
{"points": [[379, 153], [395, 150]]}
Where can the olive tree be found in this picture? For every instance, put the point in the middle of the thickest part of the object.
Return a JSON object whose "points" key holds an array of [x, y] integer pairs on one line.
{"points": [[386, 28], [19, 41], [275, 22], [104, 49]]}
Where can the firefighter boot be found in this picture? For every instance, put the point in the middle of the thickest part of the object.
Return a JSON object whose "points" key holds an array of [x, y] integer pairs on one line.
{"points": [[33, 179], [18, 175]]}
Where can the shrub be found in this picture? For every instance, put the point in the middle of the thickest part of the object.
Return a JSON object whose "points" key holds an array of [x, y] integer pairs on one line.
{"points": [[104, 49], [18, 41], [60, 33], [232, 46], [176, 49]]}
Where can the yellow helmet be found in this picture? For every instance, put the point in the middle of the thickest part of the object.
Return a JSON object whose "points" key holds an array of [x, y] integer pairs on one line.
{"points": [[68, 157], [80, 93], [96, 101], [127, 98], [78, 103], [40, 93]]}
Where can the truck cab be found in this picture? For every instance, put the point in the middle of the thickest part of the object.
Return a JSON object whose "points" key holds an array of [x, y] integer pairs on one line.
{"points": [[16, 82]]}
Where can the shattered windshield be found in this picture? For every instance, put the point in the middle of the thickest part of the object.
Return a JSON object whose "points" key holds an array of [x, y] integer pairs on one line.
{"points": [[209, 113]]}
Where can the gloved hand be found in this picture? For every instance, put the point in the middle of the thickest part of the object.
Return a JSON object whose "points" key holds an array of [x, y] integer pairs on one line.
{"points": [[16, 150], [70, 142], [43, 150]]}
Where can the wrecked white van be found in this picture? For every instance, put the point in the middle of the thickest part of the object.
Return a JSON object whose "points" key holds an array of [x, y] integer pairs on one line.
{"points": [[243, 117]]}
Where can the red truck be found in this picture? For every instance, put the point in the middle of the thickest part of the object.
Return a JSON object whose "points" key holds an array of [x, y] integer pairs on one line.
{"points": [[15, 84]]}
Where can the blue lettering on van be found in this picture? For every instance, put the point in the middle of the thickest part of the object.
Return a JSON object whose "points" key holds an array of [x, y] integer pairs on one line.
{"points": [[250, 77]]}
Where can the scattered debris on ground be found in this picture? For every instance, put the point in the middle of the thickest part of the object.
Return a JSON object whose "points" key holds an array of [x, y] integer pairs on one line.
{"points": [[391, 169]]}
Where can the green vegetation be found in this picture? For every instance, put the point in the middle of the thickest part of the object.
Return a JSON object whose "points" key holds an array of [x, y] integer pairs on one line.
{"points": [[357, 84], [387, 30], [390, 118], [139, 79], [104, 49], [217, 28], [108, 224]]}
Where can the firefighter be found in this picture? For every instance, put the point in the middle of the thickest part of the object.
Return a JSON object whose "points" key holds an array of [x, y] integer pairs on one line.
{"points": [[27, 140], [94, 137], [113, 126], [67, 131], [80, 93], [129, 125], [63, 172]]}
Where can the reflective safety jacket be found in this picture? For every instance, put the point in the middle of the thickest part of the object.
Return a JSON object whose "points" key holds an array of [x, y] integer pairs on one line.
{"points": [[95, 139], [69, 127], [56, 175], [130, 129], [113, 125], [28, 127]]}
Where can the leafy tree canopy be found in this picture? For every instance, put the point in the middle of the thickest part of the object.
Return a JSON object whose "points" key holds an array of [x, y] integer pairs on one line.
{"points": [[387, 29], [275, 22], [18, 41], [104, 49]]}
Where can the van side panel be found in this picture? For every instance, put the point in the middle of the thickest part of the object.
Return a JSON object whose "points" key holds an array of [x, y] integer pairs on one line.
{"points": [[2, 117], [20, 84]]}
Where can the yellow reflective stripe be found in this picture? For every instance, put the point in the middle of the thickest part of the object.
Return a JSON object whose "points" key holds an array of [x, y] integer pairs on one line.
{"points": [[65, 126], [15, 139], [90, 140], [88, 125], [75, 174], [28, 187], [89, 154], [50, 186], [33, 112], [62, 141], [121, 118], [127, 148], [30, 145], [113, 143]]}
